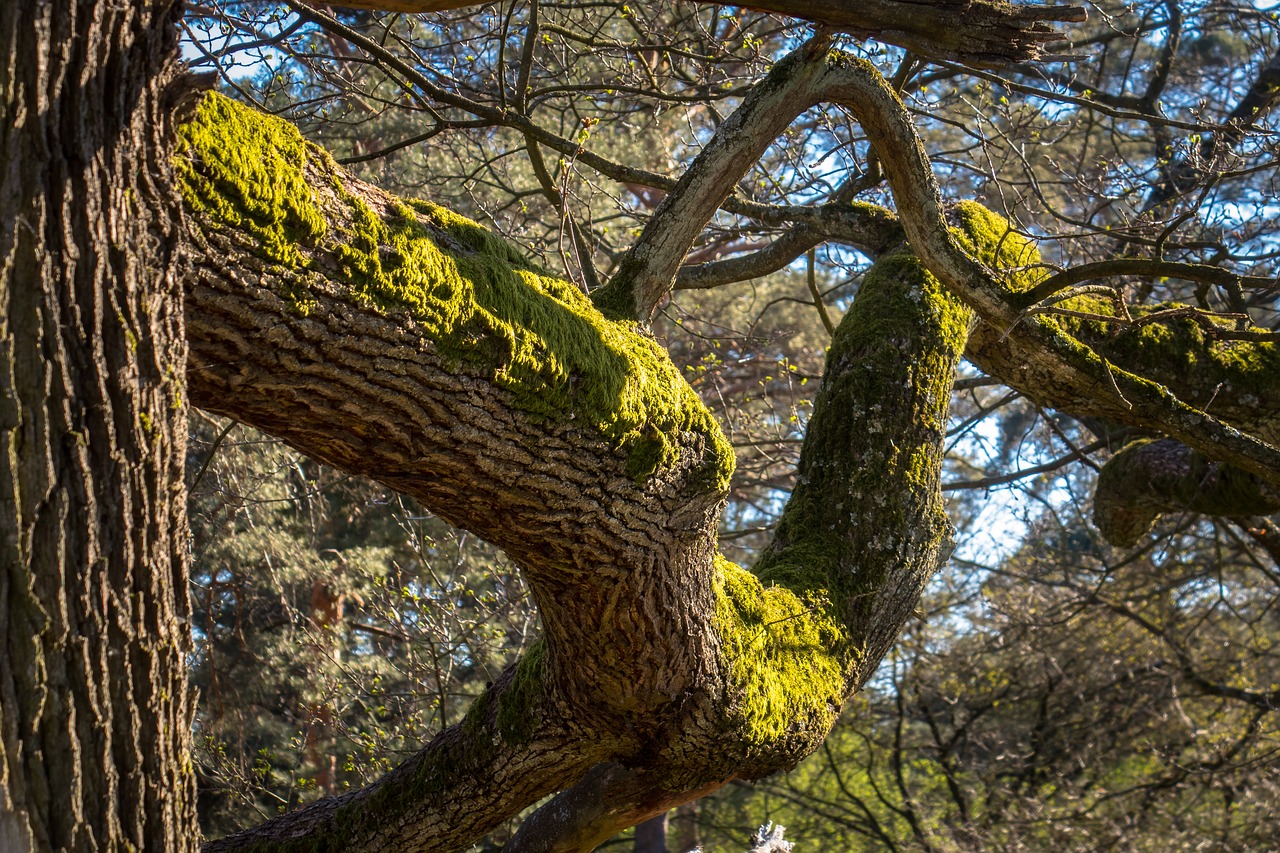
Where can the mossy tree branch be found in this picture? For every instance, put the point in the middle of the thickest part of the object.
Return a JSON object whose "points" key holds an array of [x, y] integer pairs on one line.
{"points": [[396, 340], [471, 777], [401, 342], [1059, 363], [868, 548], [1151, 477], [410, 345]]}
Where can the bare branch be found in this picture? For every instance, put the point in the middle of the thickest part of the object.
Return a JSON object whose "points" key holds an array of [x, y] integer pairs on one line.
{"points": [[870, 229], [979, 33], [1205, 273]]}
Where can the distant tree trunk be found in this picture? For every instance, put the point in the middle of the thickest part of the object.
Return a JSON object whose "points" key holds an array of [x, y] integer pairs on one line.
{"points": [[95, 717], [684, 828], [651, 836], [326, 618]]}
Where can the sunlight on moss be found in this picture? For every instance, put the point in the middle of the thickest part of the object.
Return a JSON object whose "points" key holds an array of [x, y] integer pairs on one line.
{"points": [[784, 655], [250, 177], [990, 238], [475, 295]]}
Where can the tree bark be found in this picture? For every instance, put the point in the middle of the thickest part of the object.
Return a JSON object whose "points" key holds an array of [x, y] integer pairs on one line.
{"points": [[409, 345], [1150, 477], [95, 715]]}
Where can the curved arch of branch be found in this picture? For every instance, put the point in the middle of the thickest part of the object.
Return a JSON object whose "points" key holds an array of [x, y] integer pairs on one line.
{"points": [[1058, 365]]}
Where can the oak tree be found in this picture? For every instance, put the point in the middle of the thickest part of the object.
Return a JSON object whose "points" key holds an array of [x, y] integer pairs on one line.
{"points": [[163, 247]]}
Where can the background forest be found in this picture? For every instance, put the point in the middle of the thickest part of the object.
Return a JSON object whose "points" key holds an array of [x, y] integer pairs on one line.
{"points": [[1055, 692]]}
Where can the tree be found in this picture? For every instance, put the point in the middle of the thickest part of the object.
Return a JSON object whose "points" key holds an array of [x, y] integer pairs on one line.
{"points": [[96, 713], [398, 340]]}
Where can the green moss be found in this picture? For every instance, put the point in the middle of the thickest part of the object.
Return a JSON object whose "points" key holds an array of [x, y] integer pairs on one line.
{"points": [[990, 238], [250, 177], [1201, 367], [880, 417], [1187, 357], [474, 721], [518, 714], [787, 657], [475, 295]]}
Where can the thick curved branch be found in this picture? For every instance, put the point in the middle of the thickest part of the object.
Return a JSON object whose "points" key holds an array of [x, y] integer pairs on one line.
{"points": [[410, 344], [980, 33], [451, 794], [407, 344], [413, 347], [880, 416], [1038, 356], [1148, 478], [648, 270]]}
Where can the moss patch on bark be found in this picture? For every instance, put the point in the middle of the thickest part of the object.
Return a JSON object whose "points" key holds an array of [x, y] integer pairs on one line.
{"points": [[478, 298], [786, 657]]}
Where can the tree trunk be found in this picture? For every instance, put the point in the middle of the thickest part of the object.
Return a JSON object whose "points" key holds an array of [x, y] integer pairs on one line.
{"points": [[651, 836], [684, 826], [94, 711]]}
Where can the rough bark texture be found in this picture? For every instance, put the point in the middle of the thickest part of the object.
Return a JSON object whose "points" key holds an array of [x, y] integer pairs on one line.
{"points": [[1151, 477], [94, 711], [397, 340], [484, 389], [402, 342]]}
